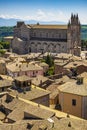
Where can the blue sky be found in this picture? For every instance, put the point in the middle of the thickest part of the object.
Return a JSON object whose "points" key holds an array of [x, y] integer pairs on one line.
{"points": [[43, 10]]}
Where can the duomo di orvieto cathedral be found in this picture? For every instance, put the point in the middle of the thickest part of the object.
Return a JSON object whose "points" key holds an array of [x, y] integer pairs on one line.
{"points": [[47, 38]]}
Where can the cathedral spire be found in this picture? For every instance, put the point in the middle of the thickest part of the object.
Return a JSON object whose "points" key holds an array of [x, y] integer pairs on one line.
{"points": [[69, 23], [77, 16], [74, 33], [71, 15], [74, 19]]}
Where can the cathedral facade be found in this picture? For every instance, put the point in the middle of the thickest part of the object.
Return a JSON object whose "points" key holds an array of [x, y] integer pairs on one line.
{"points": [[47, 38]]}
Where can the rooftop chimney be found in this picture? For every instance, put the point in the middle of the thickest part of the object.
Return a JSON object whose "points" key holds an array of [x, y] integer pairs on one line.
{"points": [[69, 124], [80, 80], [68, 115]]}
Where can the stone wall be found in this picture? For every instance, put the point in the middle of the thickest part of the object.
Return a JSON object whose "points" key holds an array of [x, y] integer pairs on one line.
{"points": [[48, 46], [43, 100], [49, 33], [19, 46], [3, 69], [25, 32]]}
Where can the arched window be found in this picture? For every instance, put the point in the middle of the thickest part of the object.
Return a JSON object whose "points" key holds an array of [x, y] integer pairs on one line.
{"points": [[32, 43], [45, 43], [39, 43]]}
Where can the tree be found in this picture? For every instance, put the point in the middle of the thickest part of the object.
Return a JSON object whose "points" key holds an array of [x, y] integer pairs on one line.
{"points": [[4, 45], [49, 60], [50, 71], [1, 47], [2, 52], [83, 43]]}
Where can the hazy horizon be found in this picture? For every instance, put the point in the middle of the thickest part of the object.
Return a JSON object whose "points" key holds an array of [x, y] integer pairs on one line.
{"points": [[47, 10]]}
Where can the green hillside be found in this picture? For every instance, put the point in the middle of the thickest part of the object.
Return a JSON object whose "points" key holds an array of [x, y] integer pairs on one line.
{"points": [[5, 31], [84, 32]]}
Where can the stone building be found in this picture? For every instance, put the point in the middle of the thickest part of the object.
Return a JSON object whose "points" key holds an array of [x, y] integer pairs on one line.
{"points": [[4, 85], [30, 92], [15, 69], [47, 38], [73, 98], [2, 67]]}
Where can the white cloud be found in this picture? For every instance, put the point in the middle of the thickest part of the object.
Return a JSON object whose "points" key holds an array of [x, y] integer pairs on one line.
{"points": [[83, 19], [6, 16], [41, 15], [50, 16]]}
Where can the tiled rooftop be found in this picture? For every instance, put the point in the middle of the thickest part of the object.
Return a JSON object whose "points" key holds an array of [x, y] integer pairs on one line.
{"points": [[34, 93], [19, 108], [22, 78], [35, 26], [39, 79], [5, 83], [46, 115], [53, 88], [5, 77], [74, 88], [16, 67], [75, 64]]}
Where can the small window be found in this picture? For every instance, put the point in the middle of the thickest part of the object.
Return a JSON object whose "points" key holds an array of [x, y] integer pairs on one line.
{"points": [[74, 102]]}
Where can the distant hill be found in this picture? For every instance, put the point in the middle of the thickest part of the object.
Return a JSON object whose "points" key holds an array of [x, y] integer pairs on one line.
{"points": [[5, 31], [84, 32], [8, 22], [12, 22]]}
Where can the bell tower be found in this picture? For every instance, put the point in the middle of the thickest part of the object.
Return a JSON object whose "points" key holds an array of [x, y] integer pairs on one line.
{"points": [[73, 34]]}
